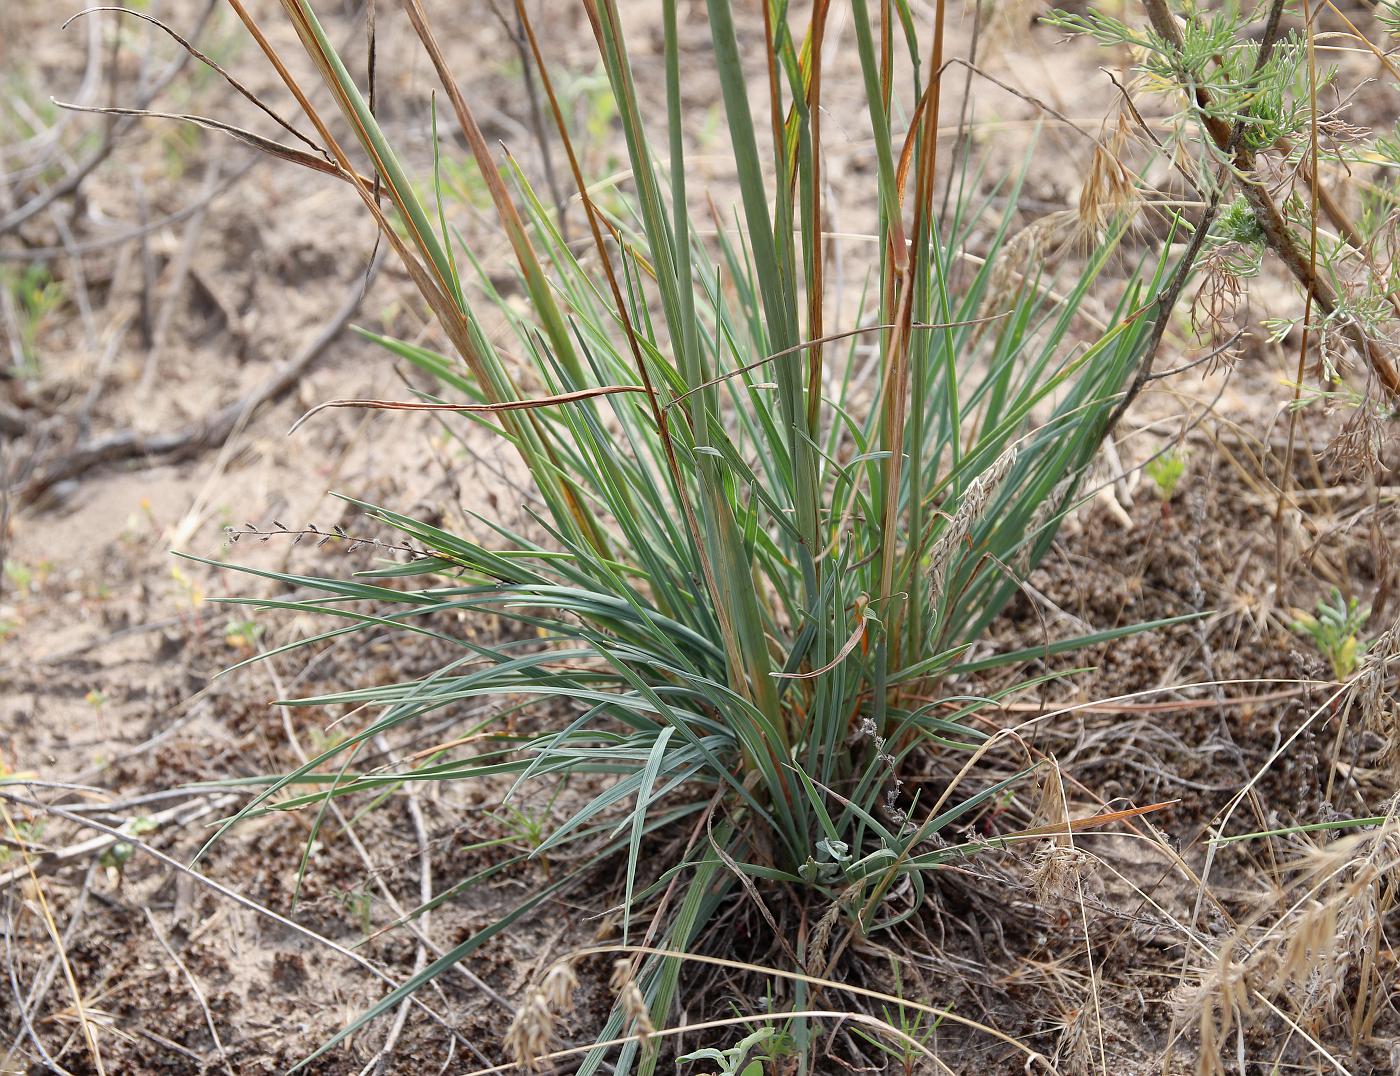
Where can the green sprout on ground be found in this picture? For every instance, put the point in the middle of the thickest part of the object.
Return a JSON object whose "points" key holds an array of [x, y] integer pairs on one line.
{"points": [[1166, 471], [359, 903], [21, 834], [33, 295], [747, 1056], [1335, 629], [243, 634], [117, 855], [26, 578], [916, 1028]]}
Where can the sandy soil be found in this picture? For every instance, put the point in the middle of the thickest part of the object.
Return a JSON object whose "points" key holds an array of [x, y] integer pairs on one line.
{"points": [[112, 648]]}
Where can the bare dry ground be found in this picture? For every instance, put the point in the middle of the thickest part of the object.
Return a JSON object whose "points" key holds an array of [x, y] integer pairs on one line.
{"points": [[187, 289]]}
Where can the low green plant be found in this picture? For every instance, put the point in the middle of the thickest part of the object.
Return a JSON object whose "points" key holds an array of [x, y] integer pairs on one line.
{"points": [[19, 575], [768, 526], [21, 834], [242, 634], [35, 296], [746, 1057], [1166, 472], [360, 904], [118, 854], [1335, 629], [916, 1028]]}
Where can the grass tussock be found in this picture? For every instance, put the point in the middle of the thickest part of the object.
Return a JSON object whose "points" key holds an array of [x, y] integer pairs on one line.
{"points": [[770, 519]]}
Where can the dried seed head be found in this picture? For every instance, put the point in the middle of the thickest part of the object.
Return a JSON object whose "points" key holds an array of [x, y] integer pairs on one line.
{"points": [[629, 997], [559, 986], [821, 933], [1380, 710], [821, 937], [1057, 872], [1074, 1051], [1019, 260], [1058, 865], [1215, 308], [1044, 513], [1356, 450], [1108, 194], [635, 1008], [530, 1033], [970, 509]]}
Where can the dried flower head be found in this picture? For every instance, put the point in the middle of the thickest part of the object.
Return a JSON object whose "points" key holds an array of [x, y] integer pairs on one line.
{"points": [[630, 999], [1356, 450], [532, 1030], [1215, 309], [1109, 193], [1020, 259], [821, 933], [970, 509], [1045, 513], [1057, 872], [558, 988], [635, 1006], [1074, 1050]]}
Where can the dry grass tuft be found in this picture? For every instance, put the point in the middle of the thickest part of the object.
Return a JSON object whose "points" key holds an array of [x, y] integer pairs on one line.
{"points": [[1058, 866], [1317, 963], [1370, 690]]}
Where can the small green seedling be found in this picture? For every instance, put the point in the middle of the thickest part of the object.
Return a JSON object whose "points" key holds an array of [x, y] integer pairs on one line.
{"points": [[1335, 631], [242, 634], [1166, 472], [359, 904], [745, 1057], [917, 1026], [36, 295], [25, 579], [116, 856], [20, 835]]}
